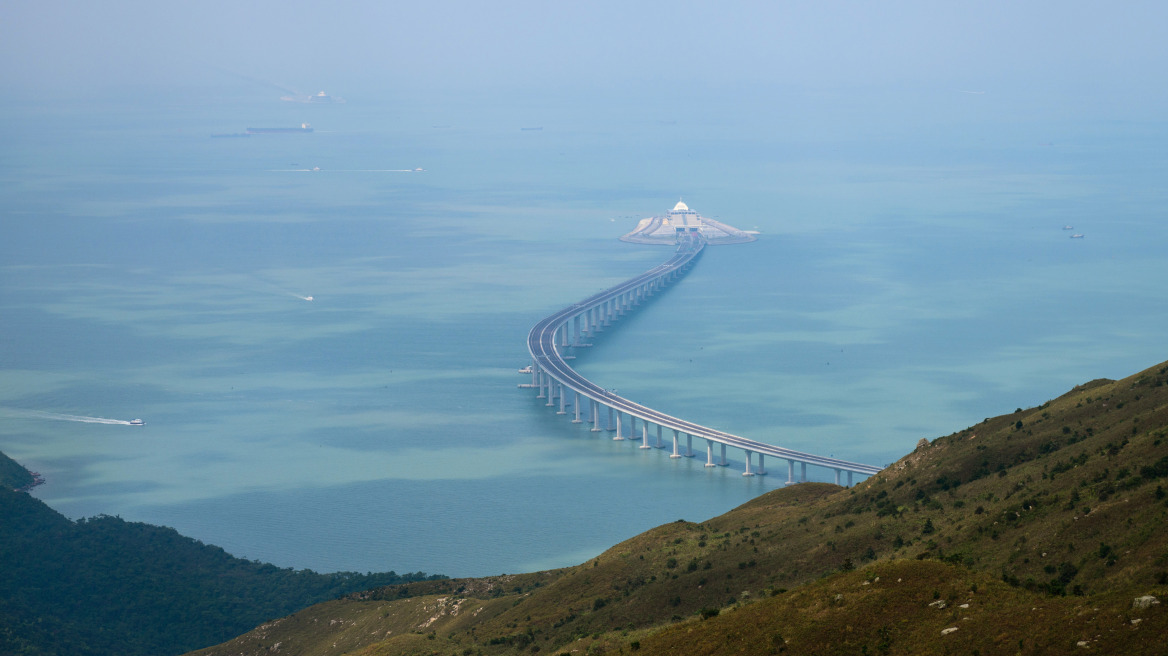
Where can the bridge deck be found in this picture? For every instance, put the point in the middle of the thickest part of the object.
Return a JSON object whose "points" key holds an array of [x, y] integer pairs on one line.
{"points": [[541, 343]]}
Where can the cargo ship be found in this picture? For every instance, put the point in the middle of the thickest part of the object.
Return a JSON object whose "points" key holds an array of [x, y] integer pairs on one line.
{"points": [[304, 127]]}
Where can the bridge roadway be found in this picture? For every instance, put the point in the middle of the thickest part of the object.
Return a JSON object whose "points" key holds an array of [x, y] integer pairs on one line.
{"points": [[550, 369]]}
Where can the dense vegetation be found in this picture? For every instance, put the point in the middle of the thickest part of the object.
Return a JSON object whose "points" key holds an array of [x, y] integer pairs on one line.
{"points": [[1039, 531], [105, 586], [12, 475]]}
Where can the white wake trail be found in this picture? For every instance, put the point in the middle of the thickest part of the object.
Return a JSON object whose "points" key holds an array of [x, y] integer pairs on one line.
{"points": [[56, 416]]}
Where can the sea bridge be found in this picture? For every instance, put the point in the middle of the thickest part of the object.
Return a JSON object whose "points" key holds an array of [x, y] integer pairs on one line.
{"points": [[556, 381]]}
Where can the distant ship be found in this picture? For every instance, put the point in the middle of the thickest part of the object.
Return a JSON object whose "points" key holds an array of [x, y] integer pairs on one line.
{"points": [[137, 422], [304, 127], [1077, 236], [317, 98], [1068, 227]]}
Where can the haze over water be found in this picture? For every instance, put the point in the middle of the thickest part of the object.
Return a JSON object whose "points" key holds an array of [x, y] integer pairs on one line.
{"points": [[912, 277]]}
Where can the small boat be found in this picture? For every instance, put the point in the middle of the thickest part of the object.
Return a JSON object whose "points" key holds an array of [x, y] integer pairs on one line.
{"points": [[1077, 235], [137, 422], [1068, 227]]}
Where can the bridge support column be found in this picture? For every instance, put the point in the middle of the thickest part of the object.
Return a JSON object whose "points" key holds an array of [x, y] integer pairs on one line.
{"points": [[618, 435], [534, 374], [551, 397], [595, 416], [658, 436], [675, 453], [725, 462], [563, 409], [748, 472], [611, 426], [790, 472], [576, 406], [761, 467], [837, 477], [710, 454], [688, 445], [542, 381], [645, 435], [849, 479], [576, 329], [803, 472]]}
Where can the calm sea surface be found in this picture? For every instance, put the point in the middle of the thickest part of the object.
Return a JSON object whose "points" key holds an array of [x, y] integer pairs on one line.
{"points": [[907, 283]]}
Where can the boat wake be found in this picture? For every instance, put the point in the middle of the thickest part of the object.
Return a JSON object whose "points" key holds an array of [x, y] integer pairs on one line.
{"points": [[38, 414]]}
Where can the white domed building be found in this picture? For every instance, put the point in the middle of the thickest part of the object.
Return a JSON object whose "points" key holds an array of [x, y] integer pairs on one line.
{"points": [[684, 220]]}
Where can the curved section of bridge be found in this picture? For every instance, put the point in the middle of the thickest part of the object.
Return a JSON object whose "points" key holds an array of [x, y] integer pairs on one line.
{"points": [[556, 380]]}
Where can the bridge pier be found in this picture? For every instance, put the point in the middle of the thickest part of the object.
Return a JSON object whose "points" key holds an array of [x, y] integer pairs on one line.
{"points": [[568, 328]]}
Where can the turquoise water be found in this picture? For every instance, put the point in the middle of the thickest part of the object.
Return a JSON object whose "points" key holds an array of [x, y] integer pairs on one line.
{"points": [[907, 283]]}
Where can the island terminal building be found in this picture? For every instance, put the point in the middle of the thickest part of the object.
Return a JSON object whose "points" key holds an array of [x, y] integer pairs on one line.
{"points": [[680, 222]]}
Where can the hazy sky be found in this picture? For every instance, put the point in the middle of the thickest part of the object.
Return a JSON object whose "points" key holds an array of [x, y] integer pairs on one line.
{"points": [[1098, 50]]}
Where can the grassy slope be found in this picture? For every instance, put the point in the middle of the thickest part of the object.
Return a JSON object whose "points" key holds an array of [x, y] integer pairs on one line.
{"points": [[1058, 508]]}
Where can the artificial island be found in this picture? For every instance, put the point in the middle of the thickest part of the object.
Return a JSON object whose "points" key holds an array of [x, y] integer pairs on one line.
{"points": [[681, 222]]}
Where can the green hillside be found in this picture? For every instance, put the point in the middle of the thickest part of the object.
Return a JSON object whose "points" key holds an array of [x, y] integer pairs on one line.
{"points": [[12, 475], [1048, 522], [104, 586]]}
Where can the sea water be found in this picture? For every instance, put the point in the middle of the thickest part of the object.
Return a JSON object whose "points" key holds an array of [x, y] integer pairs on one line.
{"points": [[905, 284]]}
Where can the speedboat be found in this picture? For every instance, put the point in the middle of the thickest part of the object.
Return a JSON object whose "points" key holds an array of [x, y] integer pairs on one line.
{"points": [[137, 422]]}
